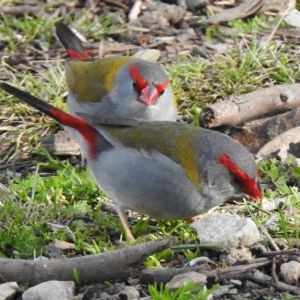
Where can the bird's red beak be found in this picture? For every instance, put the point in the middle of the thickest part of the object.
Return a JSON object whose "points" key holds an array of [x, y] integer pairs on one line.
{"points": [[253, 190], [148, 95]]}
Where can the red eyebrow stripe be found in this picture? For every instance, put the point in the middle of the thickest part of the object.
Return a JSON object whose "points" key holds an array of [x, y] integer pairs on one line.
{"points": [[161, 87], [141, 82], [225, 160], [249, 185]]}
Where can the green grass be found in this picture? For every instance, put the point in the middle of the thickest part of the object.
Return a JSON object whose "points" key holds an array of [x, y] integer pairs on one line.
{"points": [[285, 181], [64, 199], [188, 291], [21, 32], [29, 28], [248, 66]]}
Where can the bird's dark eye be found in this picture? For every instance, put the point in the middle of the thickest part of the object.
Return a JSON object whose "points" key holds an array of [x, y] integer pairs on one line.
{"points": [[237, 180], [134, 83]]}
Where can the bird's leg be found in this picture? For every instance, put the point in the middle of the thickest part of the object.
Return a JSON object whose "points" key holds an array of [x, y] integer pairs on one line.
{"points": [[83, 159], [121, 213]]}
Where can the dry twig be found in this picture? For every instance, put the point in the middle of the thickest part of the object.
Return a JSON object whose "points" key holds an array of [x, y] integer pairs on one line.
{"points": [[112, 265], [273, 100]]}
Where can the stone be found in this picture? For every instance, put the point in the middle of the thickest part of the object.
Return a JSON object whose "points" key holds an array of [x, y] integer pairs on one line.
{"points": [[293, 17], [51, 290], [236, 282], [181, 279], [222, 290], [226, 232], [42, 258], [131, 293], [62, 245], [152, 55], [236, 255], [290, 272], [8, 290]]}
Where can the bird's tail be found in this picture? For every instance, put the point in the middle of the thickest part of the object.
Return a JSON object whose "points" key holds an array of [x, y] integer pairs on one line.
{"points": [[88, 132], [71, 42]]}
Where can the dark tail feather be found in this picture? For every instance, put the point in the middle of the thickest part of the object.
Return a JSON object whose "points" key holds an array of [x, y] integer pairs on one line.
{"points": [[28, 98], [89, 133], [48, 109], [71, 42]]}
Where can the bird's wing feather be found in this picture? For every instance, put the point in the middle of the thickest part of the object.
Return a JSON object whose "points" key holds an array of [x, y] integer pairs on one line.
{"points": [[91, 80]]}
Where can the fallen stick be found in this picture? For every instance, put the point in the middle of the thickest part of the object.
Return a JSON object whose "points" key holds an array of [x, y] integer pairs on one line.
{"points": [[243, 10], [112, 265], [281, 252], [272, 100], [159, 276], [267, 281]]}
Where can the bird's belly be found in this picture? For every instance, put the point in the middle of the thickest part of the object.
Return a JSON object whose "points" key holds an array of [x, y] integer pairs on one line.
{"points": [[147, 185]]}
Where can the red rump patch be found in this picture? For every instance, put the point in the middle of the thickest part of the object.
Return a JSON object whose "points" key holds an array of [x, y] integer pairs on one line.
{"points": [[88, 132], [76, 55], [249, 185]]}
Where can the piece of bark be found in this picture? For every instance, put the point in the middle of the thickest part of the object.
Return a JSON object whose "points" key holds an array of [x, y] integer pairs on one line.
{"points": [[254, 135], [111, 265], [159, 276], [272, 100], [243, 10], [60, 143], [281, 146]]}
